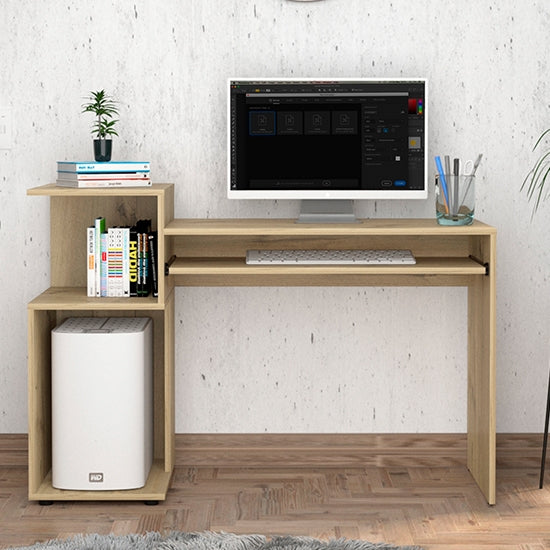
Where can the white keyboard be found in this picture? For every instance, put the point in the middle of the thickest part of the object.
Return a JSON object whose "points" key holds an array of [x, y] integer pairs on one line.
{"points": [[330, 257]]}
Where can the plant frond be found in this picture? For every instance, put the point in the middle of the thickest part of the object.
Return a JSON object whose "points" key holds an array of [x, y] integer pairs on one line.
{"points": [[536, 178]]}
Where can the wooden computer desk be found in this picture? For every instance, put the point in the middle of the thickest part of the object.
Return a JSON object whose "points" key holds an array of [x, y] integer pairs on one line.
{"points": [[211, 252]]}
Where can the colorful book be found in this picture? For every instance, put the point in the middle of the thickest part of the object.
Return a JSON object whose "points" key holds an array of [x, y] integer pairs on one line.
{"points": [[125, 261], [143, 230], [99, 226], [85, 167], [118, 179], [114, 262], [103, 265], [90, 246], [133, 262], [76, 176], [87, 184], [153, 263]]}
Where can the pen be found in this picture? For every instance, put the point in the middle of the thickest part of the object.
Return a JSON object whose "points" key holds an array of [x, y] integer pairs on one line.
{"points": [[448, 174], [447, 164], [443, 182]]}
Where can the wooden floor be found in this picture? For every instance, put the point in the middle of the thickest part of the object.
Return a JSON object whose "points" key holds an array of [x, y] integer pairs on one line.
{"points": [[400, 489]]}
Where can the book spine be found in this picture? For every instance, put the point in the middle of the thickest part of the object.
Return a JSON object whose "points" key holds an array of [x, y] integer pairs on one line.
{"points": [[144, 228], [104, 264], [133, 261], [125, 231], [152, 237], [142, 288], [90, 244], [90, 184], [114, 266], [146, 274], [76, 176], [139, 285], [87, 167], [99, 226]]}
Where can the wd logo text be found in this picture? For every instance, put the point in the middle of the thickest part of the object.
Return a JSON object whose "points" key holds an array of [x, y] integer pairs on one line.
{"points": [[95, 477]]}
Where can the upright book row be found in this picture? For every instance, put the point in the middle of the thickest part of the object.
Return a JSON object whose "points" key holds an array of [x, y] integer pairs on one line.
{"points": [[122, 261]]}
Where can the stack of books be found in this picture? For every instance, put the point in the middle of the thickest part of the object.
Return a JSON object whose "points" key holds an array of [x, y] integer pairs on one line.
{"points": [[121, 261], [103, 174]]}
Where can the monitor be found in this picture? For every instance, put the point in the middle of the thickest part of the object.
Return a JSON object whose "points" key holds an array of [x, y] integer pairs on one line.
{"points": [[327, 142]]}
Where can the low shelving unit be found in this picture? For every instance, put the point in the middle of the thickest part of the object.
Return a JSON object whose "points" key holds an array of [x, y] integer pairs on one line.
{"points": [[72, 210]]}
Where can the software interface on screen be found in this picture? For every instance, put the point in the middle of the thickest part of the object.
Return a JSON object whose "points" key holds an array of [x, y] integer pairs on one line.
{"points": [[341, 135]]}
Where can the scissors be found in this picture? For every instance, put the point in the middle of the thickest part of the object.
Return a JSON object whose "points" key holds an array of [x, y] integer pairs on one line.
{"points": [[470, 167]]}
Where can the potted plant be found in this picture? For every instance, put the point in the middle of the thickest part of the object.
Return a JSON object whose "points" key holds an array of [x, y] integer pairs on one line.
{"points": [[104, 108], [536, 178]]}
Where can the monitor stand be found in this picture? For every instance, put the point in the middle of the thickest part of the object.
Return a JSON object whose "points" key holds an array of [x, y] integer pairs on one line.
{"points": [[326, 211]]}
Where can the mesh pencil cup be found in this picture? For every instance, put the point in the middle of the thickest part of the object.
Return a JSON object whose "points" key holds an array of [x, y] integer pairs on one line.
{"points": [[455, 201]]}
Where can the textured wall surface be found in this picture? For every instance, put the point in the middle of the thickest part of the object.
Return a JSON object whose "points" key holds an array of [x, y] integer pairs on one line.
{"points": [[293, 359]]}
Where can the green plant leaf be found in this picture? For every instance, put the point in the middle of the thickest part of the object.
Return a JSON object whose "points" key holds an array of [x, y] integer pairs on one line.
{"points": [[104, 108], [536, 178]]}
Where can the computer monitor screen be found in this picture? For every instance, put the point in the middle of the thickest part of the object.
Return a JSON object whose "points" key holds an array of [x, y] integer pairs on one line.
{"points": [[329, 139]]}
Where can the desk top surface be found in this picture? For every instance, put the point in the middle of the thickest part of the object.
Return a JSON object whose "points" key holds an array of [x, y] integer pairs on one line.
{"points": [[289, 227]]}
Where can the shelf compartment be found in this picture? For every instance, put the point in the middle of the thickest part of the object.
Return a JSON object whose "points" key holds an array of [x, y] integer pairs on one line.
{"points": [[41, 321], [227, 238], [155, 489], [73, 210]]}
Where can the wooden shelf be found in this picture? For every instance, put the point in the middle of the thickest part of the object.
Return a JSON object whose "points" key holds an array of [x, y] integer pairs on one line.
{"points": [[74, 298], [238, 266], [235, 272], [155, 489], [53, 190]]}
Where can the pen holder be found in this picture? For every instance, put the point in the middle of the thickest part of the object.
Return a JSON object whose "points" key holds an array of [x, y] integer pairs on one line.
{"points": [[455, 201]]}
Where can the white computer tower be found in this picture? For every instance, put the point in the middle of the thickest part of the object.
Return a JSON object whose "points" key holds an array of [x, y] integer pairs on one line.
{"points": [[102, 403]]}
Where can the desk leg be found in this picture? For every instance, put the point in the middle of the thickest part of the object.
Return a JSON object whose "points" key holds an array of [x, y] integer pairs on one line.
{"points": [[481, 380]]}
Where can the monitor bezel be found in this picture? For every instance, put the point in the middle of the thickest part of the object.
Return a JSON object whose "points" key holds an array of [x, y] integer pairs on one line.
{"points": [[366, 194]]}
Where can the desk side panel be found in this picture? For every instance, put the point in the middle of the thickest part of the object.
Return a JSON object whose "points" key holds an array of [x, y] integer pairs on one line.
{"points": [[482, 373], [169, 384], [40, 324]]}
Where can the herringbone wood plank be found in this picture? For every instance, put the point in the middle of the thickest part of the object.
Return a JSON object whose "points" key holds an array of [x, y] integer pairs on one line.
{"points": [[435, 507]]}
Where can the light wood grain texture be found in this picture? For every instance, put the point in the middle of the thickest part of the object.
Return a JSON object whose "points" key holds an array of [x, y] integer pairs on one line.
{"points": [[482, 371], [72, 298], [288, 227], [402, 500], [231, 238], [211, 252], [40, 324], [235, 272], [72, 210]]}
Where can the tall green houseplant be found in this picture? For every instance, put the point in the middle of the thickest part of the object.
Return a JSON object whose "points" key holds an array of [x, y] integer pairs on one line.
{"points": [[536, 179], [104, 107]]}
